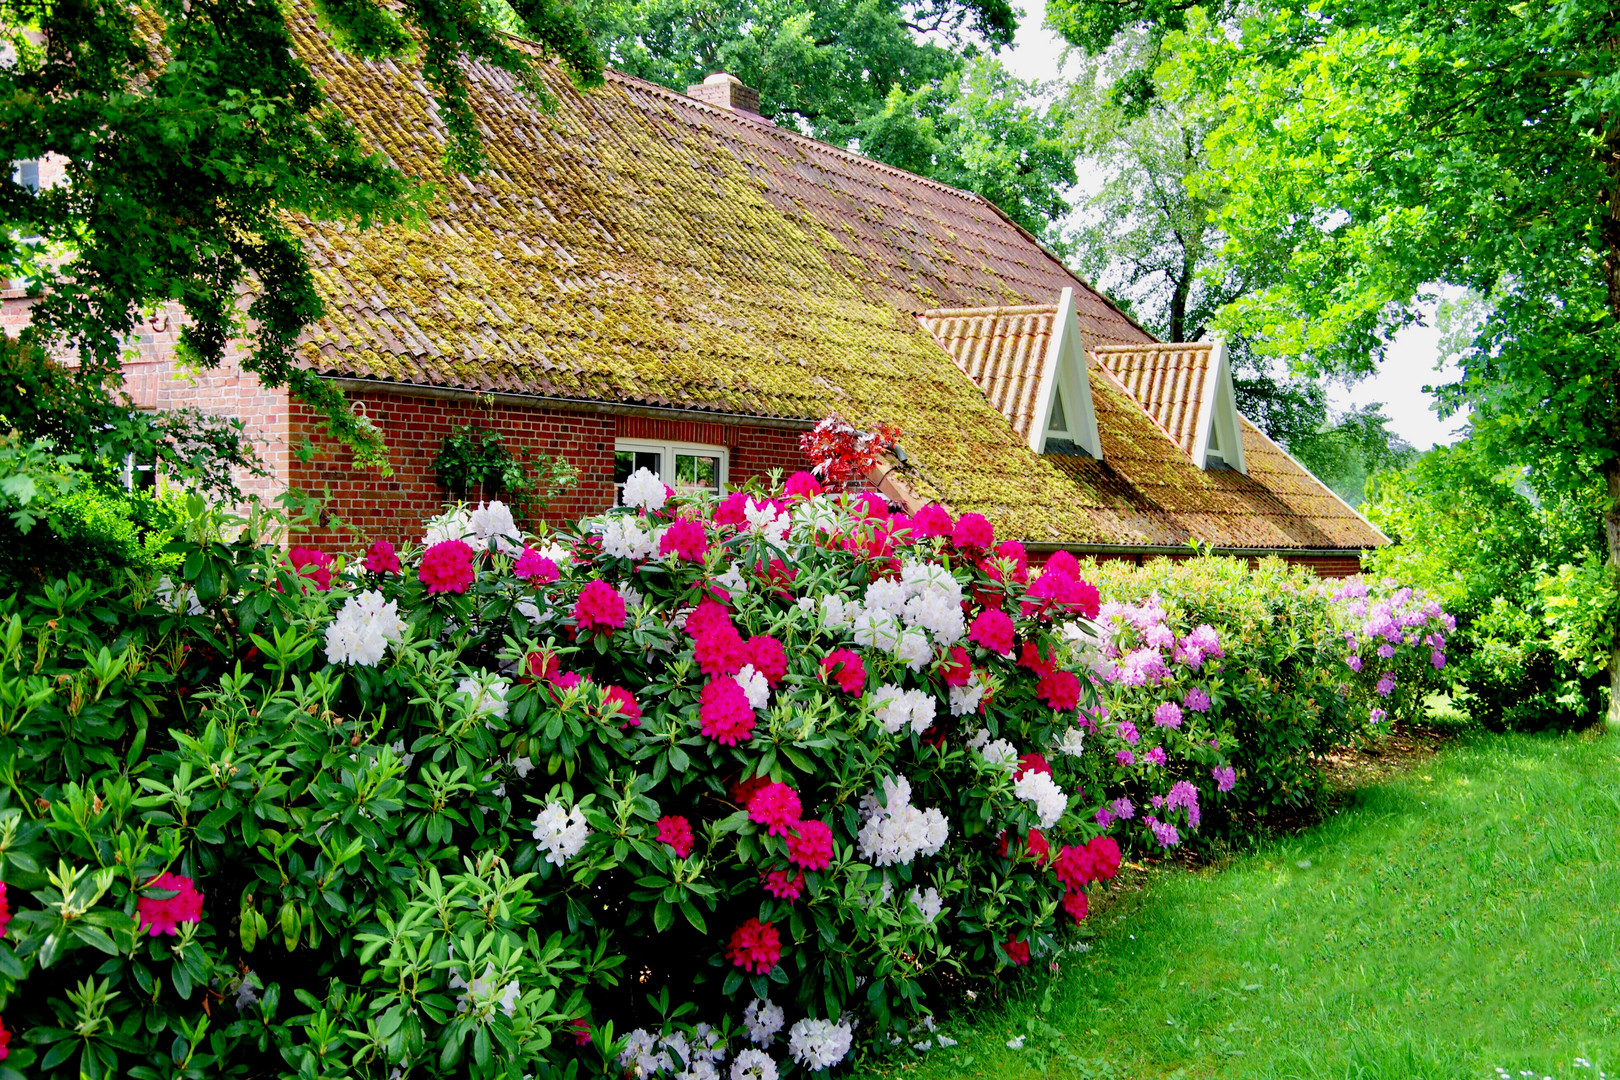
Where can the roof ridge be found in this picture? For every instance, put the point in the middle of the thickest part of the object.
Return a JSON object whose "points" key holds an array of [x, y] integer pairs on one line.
{"points": [[1008, 309], [766, 124]]}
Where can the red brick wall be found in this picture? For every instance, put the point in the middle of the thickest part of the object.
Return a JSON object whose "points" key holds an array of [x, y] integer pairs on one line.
{"points": [[394, 507], [1325, 566]]}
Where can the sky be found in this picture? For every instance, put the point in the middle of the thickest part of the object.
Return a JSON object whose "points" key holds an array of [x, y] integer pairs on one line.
{"points": [[1410, 361]]}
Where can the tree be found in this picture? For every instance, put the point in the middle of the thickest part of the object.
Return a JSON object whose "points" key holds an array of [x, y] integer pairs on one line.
{"points": [[190, 134], [1370, 151], [822, 68]]}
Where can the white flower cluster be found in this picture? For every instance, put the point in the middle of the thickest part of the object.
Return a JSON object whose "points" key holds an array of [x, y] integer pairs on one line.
{"points": [[648, 1055], [755, 685], [898, 831], [927, 902], [764, 519], [819, 1044], [491, 520], [1088, 646], [999, 753], [1073, 742], [732, 580], [482, 989], [624, 538], [561, 832], [818, 514], [897, 709], [362, 630], [645, 491], [174, 598], [763, 1020], [1040, 791], [753, 1065], [486, 699], [900, 617], [966, 699]]}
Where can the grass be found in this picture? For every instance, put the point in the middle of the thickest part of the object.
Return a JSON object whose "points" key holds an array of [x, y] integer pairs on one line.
{"points": [[1452, 919]]}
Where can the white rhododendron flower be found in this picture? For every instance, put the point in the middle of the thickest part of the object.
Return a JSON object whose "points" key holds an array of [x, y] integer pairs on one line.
{"points": [[398, 746], [1039, 790], [1002, 753], [927, 902], [363, 629], [707, 1045], [753, 1065], [732, 580], [897, 709], [897, 832], [557, 554], [493, 520], [754, 684], [624, 538], [1073, 742], [524, 767], [913, 649], [641, 1053], [699, 1070], [561, 832], [174, 598], [645, 491], [838, 613], [817, 514], [453, 524], [965, 700], [763, 1020], [876, 629], [482, 988], [819, 1044], [487, 700], [763, 519]]}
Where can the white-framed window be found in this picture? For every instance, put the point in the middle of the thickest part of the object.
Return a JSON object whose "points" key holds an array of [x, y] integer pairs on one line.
{"points": [[1059, 425], [1214, 452], [683, 466]]}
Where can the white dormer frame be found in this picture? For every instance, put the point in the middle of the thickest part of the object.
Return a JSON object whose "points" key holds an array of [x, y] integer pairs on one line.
{"points": [[1065, 375], [1220, 433]]}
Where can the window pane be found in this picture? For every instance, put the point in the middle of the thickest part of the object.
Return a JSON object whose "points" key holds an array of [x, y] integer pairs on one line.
{"points": [[1059, 423], [697, 471], [626, 462]]}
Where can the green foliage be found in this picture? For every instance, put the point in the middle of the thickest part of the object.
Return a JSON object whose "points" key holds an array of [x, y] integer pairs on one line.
{"points": [[1282, 695], [982, 129], [1408, 937], [1347, 451], [192, 136], [1522, 569], [475, 462]]}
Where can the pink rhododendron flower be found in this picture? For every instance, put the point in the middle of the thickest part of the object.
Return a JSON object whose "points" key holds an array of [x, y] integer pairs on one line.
{"points": [[1156, 756], [382, 559], [1225, 777], [718, 650], [993, 630], [1063, 563], [755, 947], [1031, 763], [447, 567], [312, 563], [801, 485], [1127, 731], [1438, 659], [776, 806], [629, 708], [1195, 700], [784, 885], [846, 669], [732, 510], [1017, 951], [5, 1042], [1386, 685], [768, 656], [1167, 714], [544, 664], [582, 1031], [956, 668], [1125, 757], [1030, 657], [676, 831], [1056, 590], [707, 616], [5, 910], [872, 505], [533, 566], [1059, 689], [931, 520], [686, 539], [811, 845], [724, 713], [165, 916], [600, 608], [1075, 905], [973, 533]]}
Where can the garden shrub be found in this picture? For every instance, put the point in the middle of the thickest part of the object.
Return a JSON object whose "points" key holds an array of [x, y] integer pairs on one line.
{"points": [[697, 790], [1300, 670], [1521, 566]]}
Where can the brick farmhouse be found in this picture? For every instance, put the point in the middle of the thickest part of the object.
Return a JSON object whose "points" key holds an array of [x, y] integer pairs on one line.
{"points": [[645, 277]]}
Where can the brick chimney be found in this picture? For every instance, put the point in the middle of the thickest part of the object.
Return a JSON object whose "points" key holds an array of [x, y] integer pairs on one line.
{"points": [[726, 91]]}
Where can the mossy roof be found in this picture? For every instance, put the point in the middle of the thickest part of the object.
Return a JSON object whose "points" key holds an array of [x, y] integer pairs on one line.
{"points": [[634, 245]]}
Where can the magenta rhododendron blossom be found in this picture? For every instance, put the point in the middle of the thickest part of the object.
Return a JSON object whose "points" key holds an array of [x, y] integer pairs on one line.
{"points": [[164, 915], [768, 656], [755, 947], [811, 845], [676, 831], [973, 533], [600, 607], [1195, 700], [784, 884], [776, 806], [724, 713], [381, 558], [801, 485], [931, 521], [1017, 951], [844, 667], [1167, 714], [534, 567], [685, 539], [447, 567], [993, 630], [1225, 777], [629, 709], [312, 563]]}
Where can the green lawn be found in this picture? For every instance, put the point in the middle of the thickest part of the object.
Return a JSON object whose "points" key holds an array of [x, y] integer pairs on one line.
{"points": [[1462, 917]]}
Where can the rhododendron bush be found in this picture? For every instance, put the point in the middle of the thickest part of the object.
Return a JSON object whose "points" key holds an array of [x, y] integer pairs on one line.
{"points": [[698, 789]]}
